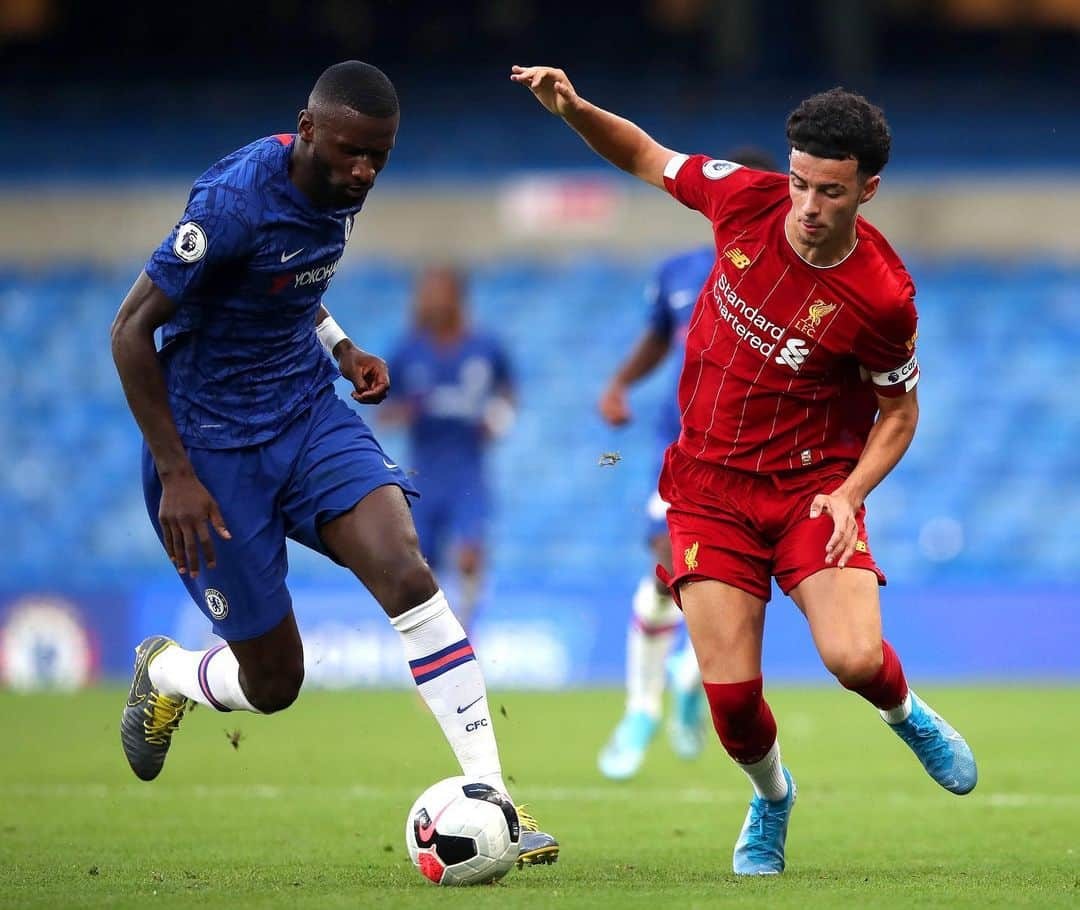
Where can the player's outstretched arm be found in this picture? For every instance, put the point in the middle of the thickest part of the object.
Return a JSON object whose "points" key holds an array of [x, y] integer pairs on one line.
{"points": [[624, 144], [187, 508]]}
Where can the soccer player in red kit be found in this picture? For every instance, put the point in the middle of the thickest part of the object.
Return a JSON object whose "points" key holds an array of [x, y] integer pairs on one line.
{"points": [[797, 398]]}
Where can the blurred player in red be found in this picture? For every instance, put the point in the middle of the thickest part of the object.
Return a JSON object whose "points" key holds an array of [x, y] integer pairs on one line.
{"points": [[654, 617], [797, 398]]}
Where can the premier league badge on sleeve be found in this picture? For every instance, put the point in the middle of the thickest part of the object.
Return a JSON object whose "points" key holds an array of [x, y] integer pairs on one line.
{"points": [[717, 168], [190, 243]]}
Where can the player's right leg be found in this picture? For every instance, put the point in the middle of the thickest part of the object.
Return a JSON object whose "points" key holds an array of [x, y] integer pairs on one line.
{"points": [[726, 626], [722, 569], [247, 603]]}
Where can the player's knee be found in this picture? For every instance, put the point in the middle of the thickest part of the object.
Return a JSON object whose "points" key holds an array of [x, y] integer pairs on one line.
{"points": [[275, 689], [409, 584], [855, 666]]}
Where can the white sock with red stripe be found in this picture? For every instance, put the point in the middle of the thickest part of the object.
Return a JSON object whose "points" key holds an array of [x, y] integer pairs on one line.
{"points": [[210, 677], [653, 624], [448, 678]]}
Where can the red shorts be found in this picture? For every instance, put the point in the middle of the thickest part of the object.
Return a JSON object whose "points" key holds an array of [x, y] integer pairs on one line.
{"points": [[743, 528]]}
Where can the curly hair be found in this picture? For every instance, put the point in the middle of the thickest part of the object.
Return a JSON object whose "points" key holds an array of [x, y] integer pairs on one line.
{"points": [[841, 124]]}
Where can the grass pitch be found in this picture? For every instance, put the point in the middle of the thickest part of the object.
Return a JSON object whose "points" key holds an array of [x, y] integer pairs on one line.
{"points": [[307, 809]]}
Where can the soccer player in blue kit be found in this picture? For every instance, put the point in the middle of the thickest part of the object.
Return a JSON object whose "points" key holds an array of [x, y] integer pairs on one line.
{"points": [[655, 619], [247, 443], [454, 391]]}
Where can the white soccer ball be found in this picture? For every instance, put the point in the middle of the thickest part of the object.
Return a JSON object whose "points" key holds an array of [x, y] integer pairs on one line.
{"points": [[462, 832]]}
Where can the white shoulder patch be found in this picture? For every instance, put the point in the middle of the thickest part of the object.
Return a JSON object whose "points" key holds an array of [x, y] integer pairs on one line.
{"points": [[718, 168], [190, 243]]}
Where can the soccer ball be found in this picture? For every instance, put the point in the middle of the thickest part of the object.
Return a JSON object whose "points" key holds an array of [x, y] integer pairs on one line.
{"points": [[462, 832]]}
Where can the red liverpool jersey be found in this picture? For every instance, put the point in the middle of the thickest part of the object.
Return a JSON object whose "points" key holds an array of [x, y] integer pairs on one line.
{"points": [[783, 357]]}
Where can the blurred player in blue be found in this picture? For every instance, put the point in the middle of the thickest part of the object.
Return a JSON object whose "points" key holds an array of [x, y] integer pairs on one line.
{"points": [[453, 390], [247, 443], [654, 618]]}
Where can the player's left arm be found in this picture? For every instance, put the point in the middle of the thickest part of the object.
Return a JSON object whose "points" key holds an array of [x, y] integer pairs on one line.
{"points": [[367, 372], [886, 444], [888, 358]]}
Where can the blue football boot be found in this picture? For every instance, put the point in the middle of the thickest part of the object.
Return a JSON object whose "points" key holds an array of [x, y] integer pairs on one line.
{"points": [[760, 847], [621, 758], [943, 752]]}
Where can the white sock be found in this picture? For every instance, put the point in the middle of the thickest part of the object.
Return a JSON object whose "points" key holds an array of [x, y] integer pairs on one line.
{"points": [[649, 636], [900, 713], [210, 677], [767, 775], [450, 682]]}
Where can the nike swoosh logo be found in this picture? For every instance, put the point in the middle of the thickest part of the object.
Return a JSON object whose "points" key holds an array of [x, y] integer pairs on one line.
{"points": [[425, 831], [135, 700], [285, 258], [469, 705], [389, 465]]}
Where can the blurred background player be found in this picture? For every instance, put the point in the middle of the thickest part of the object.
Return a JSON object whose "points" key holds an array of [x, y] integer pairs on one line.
{"points": [[453, 389], [655, 618]]}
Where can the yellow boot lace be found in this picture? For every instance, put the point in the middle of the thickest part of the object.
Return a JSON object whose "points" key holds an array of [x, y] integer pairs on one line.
{"points": [[163, 716], [528, 823]]}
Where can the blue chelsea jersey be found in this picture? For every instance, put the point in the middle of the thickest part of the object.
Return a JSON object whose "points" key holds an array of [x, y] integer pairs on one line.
{"points": [[671, 297], [247, 267], [448, 389]]}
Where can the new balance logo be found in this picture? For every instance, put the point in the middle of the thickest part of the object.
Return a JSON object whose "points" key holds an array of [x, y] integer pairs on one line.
{"points": [[793, 354], [738, 258]]}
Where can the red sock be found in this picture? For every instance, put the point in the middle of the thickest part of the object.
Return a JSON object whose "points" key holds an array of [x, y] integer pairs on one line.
{"points": [[742, 719], [889, 687]]}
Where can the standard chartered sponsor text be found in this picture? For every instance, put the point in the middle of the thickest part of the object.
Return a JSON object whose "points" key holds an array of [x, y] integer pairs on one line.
{"points": [[746, 321]]}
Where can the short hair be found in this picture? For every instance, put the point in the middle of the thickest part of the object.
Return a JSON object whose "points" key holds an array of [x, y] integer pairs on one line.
{"points": [[358, 86], [841, 124]]}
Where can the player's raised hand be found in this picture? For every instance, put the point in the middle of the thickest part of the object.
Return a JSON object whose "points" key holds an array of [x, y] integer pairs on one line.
{"points": [[187, 513], [845, 535], [368, 373], [614, 407], [551, 87]]}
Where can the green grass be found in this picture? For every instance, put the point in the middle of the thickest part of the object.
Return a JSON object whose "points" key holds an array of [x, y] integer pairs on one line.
{"points": [[308, 812]]}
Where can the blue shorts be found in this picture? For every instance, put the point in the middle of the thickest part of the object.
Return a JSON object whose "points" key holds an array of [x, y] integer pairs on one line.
{"points": [[323, 463], [449, 514]]}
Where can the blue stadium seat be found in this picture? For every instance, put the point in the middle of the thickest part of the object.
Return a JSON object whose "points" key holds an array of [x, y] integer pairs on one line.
{"points": [[998, 450]]}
